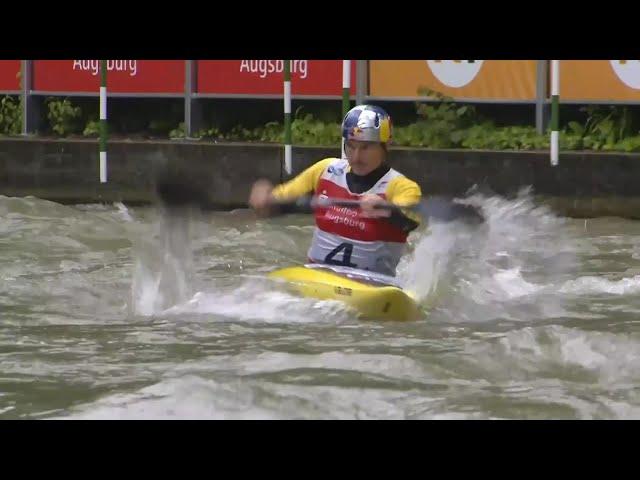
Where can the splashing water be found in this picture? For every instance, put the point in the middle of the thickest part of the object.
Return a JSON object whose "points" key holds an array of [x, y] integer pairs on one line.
{"points": [[479, 272], [164, 283], [163, 273], [476, 272]]}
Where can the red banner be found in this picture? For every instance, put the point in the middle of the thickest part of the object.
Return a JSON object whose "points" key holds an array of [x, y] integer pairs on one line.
{"points": [[263, 77], [123, 76], [9, 79]]}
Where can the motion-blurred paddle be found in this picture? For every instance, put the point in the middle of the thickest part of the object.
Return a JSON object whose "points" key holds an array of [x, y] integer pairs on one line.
{"points": [[178, 192]]}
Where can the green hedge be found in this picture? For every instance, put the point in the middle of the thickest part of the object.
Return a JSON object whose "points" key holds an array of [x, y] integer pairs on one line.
{"points": [[440, 125], [10, 115], [451, 127]]}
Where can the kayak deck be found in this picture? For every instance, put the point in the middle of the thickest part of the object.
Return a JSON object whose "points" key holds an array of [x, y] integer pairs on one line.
{"points": [[372, 295]]}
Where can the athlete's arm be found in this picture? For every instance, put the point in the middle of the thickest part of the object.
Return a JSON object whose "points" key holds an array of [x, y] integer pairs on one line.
{"points": [[404, 193], [266, 198]]}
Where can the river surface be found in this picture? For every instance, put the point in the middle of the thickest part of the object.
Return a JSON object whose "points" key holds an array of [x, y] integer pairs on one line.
{"points": [[110, 312]]}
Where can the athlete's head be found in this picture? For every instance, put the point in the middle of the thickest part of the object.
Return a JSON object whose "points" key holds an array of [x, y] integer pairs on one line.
{"points": [[366, 130]]}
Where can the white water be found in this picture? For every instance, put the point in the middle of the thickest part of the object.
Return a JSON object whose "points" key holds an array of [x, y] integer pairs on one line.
{"points": [[110, 312]]}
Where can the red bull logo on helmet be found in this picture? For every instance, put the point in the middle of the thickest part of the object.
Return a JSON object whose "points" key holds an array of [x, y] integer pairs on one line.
{"points": [[367, 123]]}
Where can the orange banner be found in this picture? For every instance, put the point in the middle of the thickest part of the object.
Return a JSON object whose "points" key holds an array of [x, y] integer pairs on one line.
{"points": [[600, 80], [473, 79]]}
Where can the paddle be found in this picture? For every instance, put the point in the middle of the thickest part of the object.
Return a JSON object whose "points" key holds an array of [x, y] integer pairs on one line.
{"points": [[175, 192], [435, 208]]}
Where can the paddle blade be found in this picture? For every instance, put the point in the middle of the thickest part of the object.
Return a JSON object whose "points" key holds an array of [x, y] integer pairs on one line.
{"points": [[445, 210], [178, 191]]}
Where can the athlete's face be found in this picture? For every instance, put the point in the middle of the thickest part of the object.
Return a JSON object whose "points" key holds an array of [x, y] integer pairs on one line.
{"points": [[364, 157]]}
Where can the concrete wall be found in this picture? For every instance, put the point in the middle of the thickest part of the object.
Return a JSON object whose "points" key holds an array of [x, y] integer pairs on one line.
{"points": [[584, 184], [68, 171]]}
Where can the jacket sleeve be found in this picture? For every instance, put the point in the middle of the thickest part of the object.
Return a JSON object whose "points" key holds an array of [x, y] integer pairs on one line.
{"points": [[404, 193], [303, 184]]}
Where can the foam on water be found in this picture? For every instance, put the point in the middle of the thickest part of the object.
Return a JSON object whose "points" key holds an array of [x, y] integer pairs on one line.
{"points": [[599, 285], [183, 398], [259, 302], [602, 358], [195, 397], [573, 373], [123, 211]]}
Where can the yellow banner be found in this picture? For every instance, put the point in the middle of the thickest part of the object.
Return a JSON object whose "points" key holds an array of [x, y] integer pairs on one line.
{"points": [[600, 80], [470, 79]]}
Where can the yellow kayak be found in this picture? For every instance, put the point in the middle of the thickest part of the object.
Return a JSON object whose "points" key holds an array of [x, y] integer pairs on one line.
{"points": [[373, 296]]}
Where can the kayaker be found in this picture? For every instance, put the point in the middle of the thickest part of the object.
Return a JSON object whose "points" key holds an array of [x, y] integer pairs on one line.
{"points": [[366, 238]]}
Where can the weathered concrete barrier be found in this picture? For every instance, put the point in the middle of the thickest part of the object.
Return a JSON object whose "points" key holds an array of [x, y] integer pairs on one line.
{"points": [[584, 184], [67, 171]]}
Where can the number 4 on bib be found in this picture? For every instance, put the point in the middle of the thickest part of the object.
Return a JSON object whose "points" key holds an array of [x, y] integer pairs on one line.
{"points": [[346, 255]]}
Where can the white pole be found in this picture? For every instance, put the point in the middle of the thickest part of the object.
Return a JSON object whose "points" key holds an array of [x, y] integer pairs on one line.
{"points": [[346, 92], [287, 117], [103, 121], [555, 110], [103, 118]]}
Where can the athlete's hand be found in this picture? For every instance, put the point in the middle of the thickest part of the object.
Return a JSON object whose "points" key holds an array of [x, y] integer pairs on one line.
{"points": [[368, 203], [260, 198]]}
